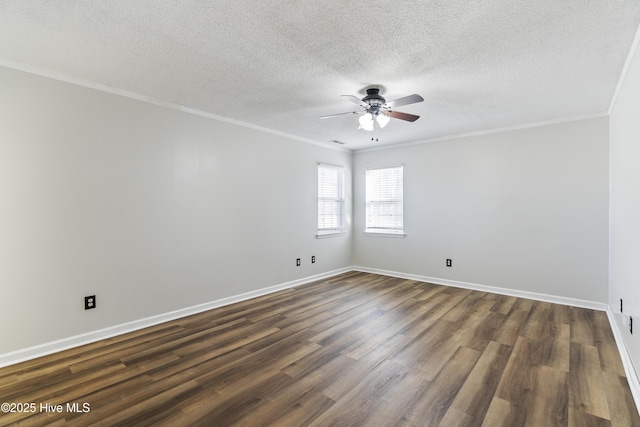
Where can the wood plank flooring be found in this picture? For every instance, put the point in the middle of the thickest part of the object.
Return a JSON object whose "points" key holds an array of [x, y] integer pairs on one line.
{"points": [[357, 349]]}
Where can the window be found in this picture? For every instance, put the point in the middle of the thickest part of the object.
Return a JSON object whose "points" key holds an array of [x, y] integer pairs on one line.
{"points": [[330, 199], [384, 200]]}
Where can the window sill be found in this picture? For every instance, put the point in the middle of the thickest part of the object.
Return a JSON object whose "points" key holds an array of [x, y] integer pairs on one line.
{"points": [[326, 235], [383, 234]]}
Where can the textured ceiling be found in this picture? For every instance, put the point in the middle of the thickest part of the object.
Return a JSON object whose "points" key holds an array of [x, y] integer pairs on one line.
{"points": [[280, 64]]}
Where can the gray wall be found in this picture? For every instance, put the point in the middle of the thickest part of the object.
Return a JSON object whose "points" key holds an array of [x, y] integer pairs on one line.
{"points": [[525, 210], [625, 208], [149, 208]]}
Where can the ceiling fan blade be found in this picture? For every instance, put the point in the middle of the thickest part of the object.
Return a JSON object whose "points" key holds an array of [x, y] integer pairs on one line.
{"points": [[340, 114], [401, 116], [355, 100], [405, 100]]}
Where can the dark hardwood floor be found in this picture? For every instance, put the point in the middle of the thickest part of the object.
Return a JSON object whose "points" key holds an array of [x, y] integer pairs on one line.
{"points": [[354, 350]]}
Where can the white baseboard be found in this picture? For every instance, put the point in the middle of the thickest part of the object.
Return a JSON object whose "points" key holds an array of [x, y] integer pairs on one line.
{"points": [[629, 370], [90, 337], [574, 302]]}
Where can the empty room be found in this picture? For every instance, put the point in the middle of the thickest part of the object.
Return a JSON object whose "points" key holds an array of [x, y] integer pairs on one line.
{"points": [[296, 213]]}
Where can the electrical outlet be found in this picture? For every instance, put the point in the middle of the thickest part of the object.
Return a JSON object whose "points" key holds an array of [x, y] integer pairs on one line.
{"points": [[628, 322], [89, 302], [313, 259], [297, 262], [448, 263]]}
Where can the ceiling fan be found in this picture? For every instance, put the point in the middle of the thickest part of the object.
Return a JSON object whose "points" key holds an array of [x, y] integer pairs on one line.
{"points": [[377, 109]]}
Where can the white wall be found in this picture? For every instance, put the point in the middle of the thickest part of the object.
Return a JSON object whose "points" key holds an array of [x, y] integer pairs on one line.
{"points": [[624, 281], [149, 208], [525, 210]]}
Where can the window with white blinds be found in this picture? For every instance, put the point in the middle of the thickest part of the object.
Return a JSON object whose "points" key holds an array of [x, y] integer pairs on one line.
{"points": [[384, 200], [330, 199]]}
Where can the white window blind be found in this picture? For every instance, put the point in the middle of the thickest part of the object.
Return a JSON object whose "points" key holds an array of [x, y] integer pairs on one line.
{"points": [[384, 200], [330, 199]]}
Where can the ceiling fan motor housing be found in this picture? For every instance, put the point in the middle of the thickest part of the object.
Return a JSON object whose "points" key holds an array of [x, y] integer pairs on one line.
{"points": [[374, 100]]}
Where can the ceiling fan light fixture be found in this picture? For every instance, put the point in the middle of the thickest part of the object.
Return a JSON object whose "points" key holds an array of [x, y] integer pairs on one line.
{"points": [[382, 120], [366, 121]]}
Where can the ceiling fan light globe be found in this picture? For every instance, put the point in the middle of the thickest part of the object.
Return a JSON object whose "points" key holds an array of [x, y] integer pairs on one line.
{"points": [[382, 120], [366, 121]]}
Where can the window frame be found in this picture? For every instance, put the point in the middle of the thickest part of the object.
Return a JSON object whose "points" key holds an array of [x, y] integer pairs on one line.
{"points": [[377, 227], [339, 200]]}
